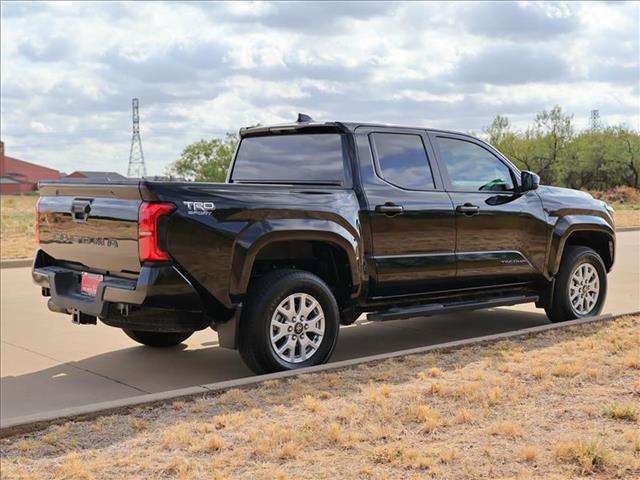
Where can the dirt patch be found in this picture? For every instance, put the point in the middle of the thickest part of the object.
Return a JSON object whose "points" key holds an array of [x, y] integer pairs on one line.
{"points": [[559, 404]]}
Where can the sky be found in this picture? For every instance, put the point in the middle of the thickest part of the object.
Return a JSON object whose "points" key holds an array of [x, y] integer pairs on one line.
{"points": [[69, 70]]}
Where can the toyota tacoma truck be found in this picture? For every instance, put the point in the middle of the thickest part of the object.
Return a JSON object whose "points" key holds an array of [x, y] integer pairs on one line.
{"points": [[316, 224]]}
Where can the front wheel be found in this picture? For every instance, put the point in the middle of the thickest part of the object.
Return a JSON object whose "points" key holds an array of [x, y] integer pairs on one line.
{"points": [[291, 320], [581, 285], [157, 339]]}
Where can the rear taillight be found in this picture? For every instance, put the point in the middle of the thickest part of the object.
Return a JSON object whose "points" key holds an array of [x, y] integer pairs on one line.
{"points": [[37, 226], [148, 216]]}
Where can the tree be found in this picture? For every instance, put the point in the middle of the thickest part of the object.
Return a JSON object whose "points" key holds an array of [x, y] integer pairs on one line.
{"points": [[553, 132], [630, 154], [499, 131], [584, 161], [206, 160], [518, 147], [601, 159], [594, 159]]}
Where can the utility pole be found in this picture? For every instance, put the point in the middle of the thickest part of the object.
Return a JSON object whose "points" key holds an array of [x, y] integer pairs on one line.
{"points": [[595, 120], [136, 156]]}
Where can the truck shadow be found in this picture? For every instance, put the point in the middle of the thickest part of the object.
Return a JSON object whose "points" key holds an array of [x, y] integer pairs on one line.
{"points": [[139, 370]]}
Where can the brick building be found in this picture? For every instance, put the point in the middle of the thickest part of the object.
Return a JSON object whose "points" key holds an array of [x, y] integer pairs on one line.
{"points": [[18, 176]]}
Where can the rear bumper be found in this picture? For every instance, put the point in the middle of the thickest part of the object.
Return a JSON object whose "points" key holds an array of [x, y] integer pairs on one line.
{"points": [[160, 298], [64, 286]]}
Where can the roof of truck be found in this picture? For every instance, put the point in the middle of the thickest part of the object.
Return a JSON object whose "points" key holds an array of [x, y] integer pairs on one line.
{"points": [[348, 126]]}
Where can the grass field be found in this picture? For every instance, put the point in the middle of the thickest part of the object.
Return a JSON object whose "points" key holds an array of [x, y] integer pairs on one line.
{"points": [[17, 222], [627, 215], [559, 404], [18, 218]]}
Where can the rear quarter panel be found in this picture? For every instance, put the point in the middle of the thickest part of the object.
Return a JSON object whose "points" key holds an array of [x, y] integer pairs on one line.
{"points": [[217, 247]]}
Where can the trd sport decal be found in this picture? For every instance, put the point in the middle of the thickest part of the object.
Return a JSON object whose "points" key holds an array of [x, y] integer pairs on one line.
{"points": [[200, 208]]}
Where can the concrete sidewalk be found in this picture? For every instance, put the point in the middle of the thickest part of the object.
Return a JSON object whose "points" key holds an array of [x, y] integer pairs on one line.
{"points": [[49, 364]]}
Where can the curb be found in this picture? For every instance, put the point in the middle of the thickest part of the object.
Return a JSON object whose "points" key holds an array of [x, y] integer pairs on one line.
{"points": [[16, 263], [627, 229], [39, 421]]}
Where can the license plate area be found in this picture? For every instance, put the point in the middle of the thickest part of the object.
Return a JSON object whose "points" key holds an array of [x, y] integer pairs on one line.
{"points": [[89, 283]]}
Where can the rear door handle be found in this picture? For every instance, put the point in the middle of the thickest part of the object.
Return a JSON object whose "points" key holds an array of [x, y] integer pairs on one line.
{"points": [[468, 209], [390, 208]]}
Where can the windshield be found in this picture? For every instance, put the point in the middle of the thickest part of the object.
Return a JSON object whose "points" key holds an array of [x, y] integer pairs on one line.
{"points": [[298, 158]]}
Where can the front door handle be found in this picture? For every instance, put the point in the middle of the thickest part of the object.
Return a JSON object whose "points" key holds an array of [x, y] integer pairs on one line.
{"points": [[390, 209], [468, 209]]}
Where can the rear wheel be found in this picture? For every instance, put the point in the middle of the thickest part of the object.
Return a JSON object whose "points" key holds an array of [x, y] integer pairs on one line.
{"points": [[290, 320], [157, 339], [581, 285]]}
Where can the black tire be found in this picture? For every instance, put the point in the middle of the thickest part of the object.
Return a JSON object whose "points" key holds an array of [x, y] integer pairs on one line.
{"points": [[157, 339], [561, 308], [263, 298]]}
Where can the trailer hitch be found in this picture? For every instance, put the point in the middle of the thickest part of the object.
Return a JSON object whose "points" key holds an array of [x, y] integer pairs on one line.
{"points": [[80, 318]]}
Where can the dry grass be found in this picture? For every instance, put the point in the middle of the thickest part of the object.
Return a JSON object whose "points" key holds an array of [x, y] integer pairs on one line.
{"points": [[621, 412], [627, 218], [529, 453], [478, 412], [623, 195], [626, 202], [17, 226], [590, 456], [137, 423], [506, 429]]}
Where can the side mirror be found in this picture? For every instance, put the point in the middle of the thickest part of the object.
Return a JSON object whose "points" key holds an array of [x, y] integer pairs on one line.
{"points": [[529, 181]]}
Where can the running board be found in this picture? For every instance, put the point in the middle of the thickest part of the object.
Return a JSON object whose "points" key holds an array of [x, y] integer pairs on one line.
{"points": [[437, 309]]}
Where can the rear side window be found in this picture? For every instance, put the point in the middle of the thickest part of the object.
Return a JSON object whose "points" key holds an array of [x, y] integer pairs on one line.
{"points": [[402, 160], [301, 158]]}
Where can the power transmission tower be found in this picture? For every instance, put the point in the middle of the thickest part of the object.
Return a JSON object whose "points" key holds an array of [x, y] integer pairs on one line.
{"points": [[595, 120], [136, 156]]}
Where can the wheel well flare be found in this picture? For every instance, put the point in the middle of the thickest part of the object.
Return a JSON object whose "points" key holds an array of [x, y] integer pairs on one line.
{"points": [[328, 261], [598, 241]]}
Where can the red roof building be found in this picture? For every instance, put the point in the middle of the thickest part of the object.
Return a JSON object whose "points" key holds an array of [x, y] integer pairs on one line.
{"points": [[100, 176], [18, 176]]}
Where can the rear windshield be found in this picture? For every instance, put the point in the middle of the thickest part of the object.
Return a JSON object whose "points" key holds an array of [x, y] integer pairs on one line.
{"points": [[301, 158]]}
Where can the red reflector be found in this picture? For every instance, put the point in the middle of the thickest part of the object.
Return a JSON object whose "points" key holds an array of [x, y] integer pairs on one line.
{"points": [[148, 215]]}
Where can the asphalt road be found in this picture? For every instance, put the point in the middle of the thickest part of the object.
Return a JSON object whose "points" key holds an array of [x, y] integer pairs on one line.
{"points": [[47, 363]]}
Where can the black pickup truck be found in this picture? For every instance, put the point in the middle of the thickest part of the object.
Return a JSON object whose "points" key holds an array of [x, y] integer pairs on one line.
{"points": [[317, 224]]}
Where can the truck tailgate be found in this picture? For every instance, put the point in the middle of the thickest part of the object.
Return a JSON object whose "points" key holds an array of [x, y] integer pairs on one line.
{"points": [[94, 226]]}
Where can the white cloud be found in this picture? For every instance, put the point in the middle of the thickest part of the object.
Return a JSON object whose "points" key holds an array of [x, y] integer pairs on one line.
{"points": [[69, 70]]}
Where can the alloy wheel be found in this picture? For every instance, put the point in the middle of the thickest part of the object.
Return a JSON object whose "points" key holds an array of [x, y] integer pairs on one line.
{"points": [[297, 328], [584, 288]]}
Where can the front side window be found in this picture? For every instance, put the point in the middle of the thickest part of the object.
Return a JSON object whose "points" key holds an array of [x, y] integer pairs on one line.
{"points": [[298, 158], [472, 168], [402, 160]]}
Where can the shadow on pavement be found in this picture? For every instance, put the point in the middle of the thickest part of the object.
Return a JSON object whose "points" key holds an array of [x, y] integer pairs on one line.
{"points": [[138, 370]]}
